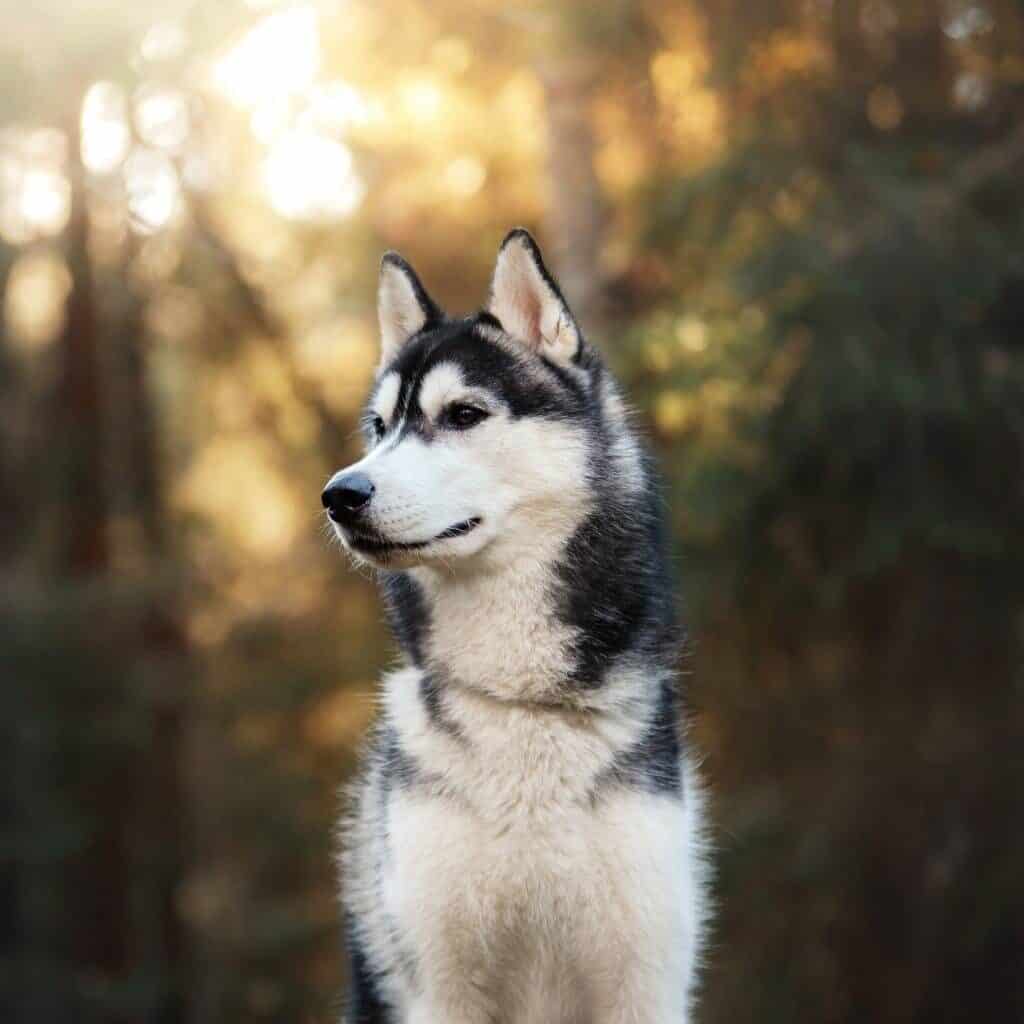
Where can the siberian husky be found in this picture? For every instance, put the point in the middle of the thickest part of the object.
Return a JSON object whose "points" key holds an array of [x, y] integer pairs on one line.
{"points": [[525, 845]]}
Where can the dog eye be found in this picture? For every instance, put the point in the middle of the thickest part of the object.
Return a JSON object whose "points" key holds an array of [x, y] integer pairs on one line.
{"points": [[462, 417], [377, 427]]}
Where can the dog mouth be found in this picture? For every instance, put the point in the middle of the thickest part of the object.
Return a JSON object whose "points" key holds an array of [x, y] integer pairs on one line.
{"points": [[375, 544]]}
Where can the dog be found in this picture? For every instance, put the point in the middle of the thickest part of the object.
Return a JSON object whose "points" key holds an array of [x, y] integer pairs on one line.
{"points": [[526, 840]]}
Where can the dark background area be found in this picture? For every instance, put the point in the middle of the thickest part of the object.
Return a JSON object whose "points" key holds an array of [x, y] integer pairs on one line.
{"points": [[795, 227]]}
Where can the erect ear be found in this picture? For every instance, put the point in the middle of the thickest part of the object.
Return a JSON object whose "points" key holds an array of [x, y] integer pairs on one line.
{"points": [[403, 305], [527, 301]]}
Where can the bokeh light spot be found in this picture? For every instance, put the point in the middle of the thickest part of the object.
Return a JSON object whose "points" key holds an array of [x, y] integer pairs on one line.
{"points": [[154, 193], [310, 177], [465, 176], [37, 289], [104, 128], [280, 55]]}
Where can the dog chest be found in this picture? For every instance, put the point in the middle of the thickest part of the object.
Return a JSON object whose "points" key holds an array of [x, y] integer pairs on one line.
{"points": [[598, 881]]}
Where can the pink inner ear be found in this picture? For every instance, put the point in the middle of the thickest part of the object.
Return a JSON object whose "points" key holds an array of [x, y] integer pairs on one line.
{"points": [[530, 311], [516, 298]]}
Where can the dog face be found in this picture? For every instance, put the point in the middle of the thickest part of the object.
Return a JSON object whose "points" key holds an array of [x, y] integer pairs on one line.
{"points": [[477, 428]]}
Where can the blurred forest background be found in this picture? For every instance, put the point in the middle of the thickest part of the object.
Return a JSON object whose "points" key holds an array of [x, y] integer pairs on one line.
{"points": [[797, 229]]}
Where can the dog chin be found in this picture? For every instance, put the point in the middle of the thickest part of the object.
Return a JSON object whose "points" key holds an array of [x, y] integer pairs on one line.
{"points": [[461, 539]]}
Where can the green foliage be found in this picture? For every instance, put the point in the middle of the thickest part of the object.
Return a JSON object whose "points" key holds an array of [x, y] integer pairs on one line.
{"points": [[854, 532]]}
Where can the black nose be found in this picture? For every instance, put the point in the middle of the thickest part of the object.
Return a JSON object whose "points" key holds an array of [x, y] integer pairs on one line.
{"points": [[347, 495]]}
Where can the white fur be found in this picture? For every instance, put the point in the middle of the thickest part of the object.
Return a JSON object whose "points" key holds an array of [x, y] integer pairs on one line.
{"points": [[513, 880], [524, 899], [520, 895], [441, 385], [521, 891], [386, 397], [624, 447], [492, 472]]}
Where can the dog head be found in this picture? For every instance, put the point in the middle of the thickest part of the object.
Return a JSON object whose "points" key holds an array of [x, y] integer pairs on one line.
{"points": [[478, 429]]}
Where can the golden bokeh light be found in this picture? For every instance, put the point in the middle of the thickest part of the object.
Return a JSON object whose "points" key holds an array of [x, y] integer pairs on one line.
{"points": [[35, 195], [420, 97], [45, 200], [106, 134], [153, 189], [280, 55], [674, 412], [162, 116], [335, 106], [308, 176], [341, 718], [268, 523], [37, 289], [692, 334], [452, 54], [465, 176]]}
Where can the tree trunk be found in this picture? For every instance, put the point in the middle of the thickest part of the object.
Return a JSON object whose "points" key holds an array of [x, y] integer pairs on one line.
{"points": [[575, 219], [82, 503], [99, 916], [161, 663]]}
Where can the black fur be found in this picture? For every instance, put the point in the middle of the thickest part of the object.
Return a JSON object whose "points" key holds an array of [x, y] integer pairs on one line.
{"points": [[488, 319], [483, 364], [407, 613], [653, 762], [363, 1004], [611, 586], [615, 589], [431, 693], [398, 769]]}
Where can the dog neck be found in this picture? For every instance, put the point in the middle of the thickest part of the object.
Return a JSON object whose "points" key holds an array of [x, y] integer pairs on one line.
{"points": [[496, 631]]}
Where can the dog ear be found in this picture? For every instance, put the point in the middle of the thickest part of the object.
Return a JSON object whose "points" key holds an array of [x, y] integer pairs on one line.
{"points": [[528, 302], [403, 305]]}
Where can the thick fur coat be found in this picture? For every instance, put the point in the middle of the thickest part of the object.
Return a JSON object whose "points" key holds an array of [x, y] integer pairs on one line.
{"points": [[525, 841]]}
